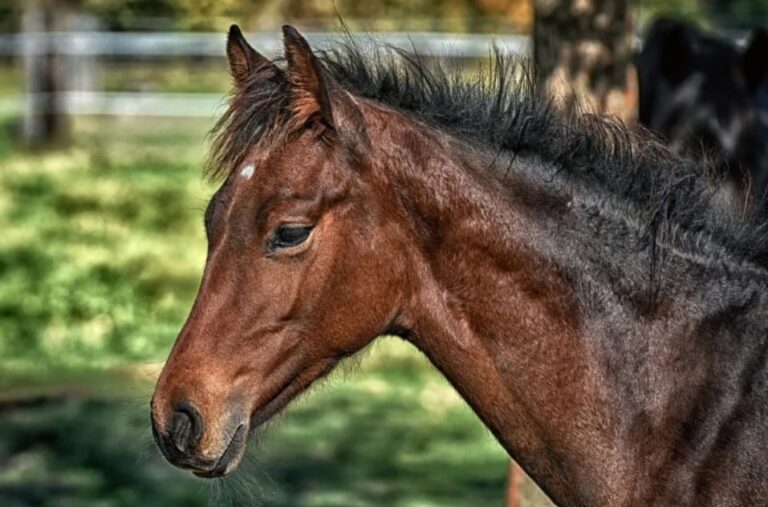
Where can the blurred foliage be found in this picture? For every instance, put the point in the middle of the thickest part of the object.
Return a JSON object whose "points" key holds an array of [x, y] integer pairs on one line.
{"points": [[449, 15], [727, 14], [204, 14], [10, 11], [691, 9], [453, 15], [501, 16], [130, 14], [740, 13]]}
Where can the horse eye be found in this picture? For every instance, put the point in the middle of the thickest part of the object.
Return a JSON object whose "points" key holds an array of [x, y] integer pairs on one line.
{"points": [[287, 236]]}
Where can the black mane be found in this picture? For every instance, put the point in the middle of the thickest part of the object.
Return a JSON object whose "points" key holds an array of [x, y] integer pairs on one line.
{"points": [[504, 109]]}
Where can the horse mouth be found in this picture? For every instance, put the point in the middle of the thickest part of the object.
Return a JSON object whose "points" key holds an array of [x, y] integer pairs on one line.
{"points": [[290, 389], [236, 447], [230, 458], [232, 455]]}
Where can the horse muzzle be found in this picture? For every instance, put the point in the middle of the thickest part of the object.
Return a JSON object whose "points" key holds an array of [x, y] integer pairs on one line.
{"points": [[180, 442]]}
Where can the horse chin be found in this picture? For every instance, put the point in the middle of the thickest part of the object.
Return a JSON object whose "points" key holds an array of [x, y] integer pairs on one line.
{"points": [[289, 391], [230, 458]]}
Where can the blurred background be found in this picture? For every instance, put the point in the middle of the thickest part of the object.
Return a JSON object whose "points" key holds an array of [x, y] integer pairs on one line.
{"points": [[104, 109]]}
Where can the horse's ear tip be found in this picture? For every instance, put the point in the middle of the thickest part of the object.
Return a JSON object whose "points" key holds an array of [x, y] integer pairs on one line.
{"points": [[234, 30], [290, 33]]}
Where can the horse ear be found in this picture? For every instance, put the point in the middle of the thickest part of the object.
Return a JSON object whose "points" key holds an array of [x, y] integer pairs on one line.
{"points": [[309, 84], [754, 60], [315, 94], [243, 59]]}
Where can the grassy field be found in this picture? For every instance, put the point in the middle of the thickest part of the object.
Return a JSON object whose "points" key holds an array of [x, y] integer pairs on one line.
{"points": [[101, 251]]}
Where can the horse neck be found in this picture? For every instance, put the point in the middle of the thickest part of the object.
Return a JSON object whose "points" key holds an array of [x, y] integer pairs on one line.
{"points": [[500, 318]]}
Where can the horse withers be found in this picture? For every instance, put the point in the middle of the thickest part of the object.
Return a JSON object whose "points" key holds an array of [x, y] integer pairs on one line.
{"points": [[708, 98], [567, 274]]}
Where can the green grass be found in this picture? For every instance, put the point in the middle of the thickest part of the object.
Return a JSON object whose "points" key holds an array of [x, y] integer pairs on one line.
{"points": [[391, 433], [101, 255], [176, 76], [10, 78], [96, 263]]}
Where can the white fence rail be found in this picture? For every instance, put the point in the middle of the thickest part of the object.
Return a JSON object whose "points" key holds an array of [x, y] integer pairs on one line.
{"points": [[79, 48], [129, 103], [143, 44]]}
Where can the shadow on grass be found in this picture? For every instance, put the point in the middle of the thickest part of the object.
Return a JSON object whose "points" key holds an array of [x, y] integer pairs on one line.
{"points": [[376, 442], [84, 452]]}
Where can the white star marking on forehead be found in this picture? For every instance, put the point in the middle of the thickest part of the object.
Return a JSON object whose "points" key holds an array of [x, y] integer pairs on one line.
{"points": [[247, 171]]}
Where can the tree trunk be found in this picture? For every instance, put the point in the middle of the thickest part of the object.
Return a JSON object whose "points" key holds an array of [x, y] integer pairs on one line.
{"points": [[583, 52]]}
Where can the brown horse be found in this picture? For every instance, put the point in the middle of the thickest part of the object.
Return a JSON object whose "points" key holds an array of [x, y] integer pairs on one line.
{"points": [[570, 277]]}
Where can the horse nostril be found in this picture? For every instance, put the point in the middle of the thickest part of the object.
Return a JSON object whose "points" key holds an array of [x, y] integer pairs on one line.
{"points": [[186, 427]]}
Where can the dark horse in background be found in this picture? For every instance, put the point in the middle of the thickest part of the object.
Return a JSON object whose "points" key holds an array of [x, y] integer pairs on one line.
{"points": [[708, 98], [569, 276]]}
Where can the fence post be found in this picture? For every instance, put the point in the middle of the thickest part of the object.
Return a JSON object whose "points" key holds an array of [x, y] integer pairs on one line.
{"points": [[514, 482], [44, 121], [83, 74]]}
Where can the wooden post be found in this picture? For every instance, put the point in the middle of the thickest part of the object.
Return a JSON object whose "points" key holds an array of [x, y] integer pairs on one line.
{"points": [[514, 483], [32, 24], [44, 121], [82, 70]]}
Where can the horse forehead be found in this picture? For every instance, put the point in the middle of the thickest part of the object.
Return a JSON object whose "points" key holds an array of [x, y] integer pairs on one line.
{"points": [[300, 167]]}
